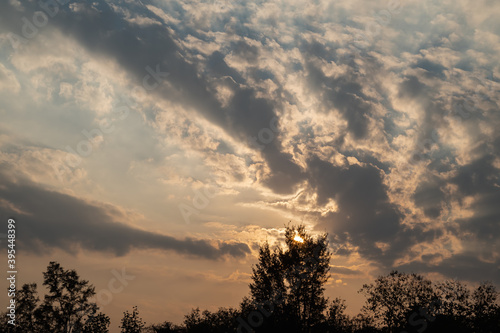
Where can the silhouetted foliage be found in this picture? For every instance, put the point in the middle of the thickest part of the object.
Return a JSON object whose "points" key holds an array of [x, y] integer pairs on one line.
{"points": [[396, 303], [287, 289], [95, 323], [27, 301], [66, 307], [336, 319], [222, 321], [131, 322], [485, 309], [286, 295], [165, 327], [268, 276], [455, 309], [393, 298], [67, 303], [306, 267]]}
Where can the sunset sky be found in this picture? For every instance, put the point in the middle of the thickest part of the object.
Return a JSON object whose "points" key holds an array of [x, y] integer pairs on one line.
{"points": [[167, 139]]}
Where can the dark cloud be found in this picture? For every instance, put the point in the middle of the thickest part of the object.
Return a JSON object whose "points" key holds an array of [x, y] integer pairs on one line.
{"points": [[411, 87], [477, 177], [344, 270], [464, 266], [429, 197], [245, 51], [135, 48], [105, 32], [216, 66], [433, 109], [52, 220], [344, 94], [365, 215], [433, 68], [481, 180]]}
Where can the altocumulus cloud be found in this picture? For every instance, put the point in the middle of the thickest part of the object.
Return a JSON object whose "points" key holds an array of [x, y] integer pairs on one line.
{"points": [[107, 31]]}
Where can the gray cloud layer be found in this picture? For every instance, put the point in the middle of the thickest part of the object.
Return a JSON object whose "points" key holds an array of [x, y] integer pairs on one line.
{"points": [[47, 219]]}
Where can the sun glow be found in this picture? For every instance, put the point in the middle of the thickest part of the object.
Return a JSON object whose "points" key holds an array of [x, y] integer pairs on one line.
{"points": [[299, 239]]}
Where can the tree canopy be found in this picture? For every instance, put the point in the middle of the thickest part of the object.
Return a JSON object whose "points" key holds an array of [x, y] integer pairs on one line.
{"points": [[286, 294], [288, 283], [66, 308]]}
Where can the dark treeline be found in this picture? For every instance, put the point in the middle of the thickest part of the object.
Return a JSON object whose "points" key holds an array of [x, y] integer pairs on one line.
{"points": [[286, 295]]}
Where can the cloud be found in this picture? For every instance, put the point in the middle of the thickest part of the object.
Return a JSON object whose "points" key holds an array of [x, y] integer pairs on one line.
{"points": [[365, 215], [344, 270], [344, 94], [480, 179], [47, 219], [429, 197], [137, 47], [8, 81], [461, 266], [392, 147]]}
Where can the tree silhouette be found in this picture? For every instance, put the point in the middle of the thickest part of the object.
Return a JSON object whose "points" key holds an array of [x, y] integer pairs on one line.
{"points": [[286, 295], [165, 327], [66, 307], [455, 298], [268, 290], [268, 276], [27, 301], [394, 299], [455, 308], [289, 283], [222, 321], [67, 303], [131, 322], [95, 323], [363, 323], [485, 309], [306, 263], [336, 319]]}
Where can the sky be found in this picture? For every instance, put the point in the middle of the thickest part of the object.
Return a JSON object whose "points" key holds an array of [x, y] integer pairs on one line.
{"points": [[154, 145]]}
